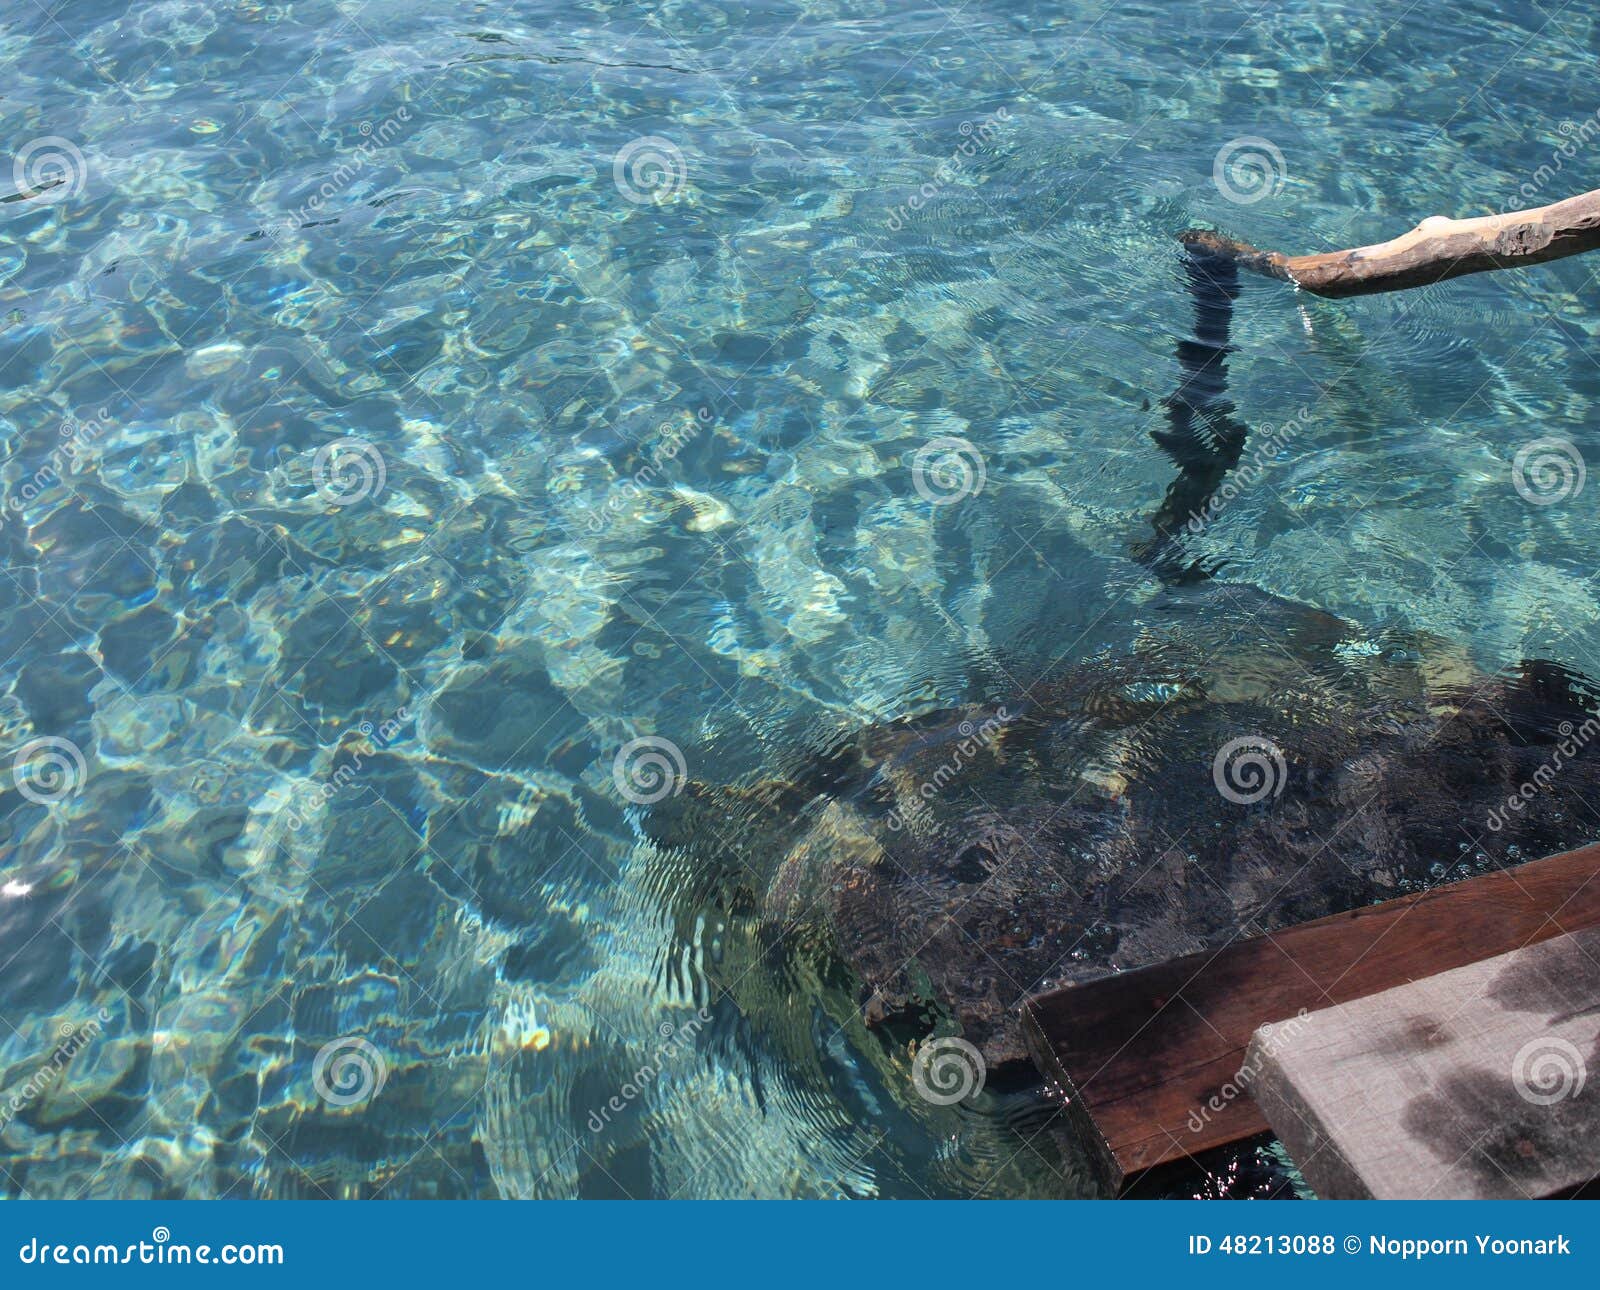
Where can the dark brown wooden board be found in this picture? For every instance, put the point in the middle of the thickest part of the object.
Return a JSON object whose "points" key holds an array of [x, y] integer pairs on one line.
{"points": [[1139, 1056]]}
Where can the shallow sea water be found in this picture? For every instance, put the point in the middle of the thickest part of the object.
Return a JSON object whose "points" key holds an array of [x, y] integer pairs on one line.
{"points": [[630, 457]]}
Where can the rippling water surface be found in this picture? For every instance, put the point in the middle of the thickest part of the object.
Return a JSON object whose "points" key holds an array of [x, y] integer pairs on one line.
{"points": [[408, 408]]}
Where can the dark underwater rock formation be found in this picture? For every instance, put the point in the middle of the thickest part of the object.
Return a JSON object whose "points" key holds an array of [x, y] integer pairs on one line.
{"points": [[1255, 764]]}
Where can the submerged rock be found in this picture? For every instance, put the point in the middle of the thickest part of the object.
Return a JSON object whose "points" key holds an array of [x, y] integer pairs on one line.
{"points": [[1243, 764]]}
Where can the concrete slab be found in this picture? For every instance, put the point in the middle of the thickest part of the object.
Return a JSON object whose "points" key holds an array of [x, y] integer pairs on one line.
{"points": [[1479, 1082]]}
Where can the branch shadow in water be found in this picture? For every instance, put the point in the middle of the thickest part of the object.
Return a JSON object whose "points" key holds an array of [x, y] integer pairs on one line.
{"points": [[1203, 437]]}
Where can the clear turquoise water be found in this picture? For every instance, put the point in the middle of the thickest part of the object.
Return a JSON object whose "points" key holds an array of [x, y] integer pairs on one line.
{"points": [[347, 749]]}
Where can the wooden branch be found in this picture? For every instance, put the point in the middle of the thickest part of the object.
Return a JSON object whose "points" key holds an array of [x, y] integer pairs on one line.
{"points": [[1438, 248]]}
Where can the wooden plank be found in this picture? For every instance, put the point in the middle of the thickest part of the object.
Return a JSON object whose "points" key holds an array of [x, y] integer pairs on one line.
{"points": [[1147, 1059], [1470, 1085], [1437, 249]]}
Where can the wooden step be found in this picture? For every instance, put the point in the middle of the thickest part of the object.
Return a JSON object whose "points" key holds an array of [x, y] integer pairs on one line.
{"points": [[1148, 1059], [1481, 1083]]}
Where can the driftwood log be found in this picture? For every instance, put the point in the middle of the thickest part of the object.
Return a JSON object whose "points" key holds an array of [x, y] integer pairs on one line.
{"points": [[1437, 249]]}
